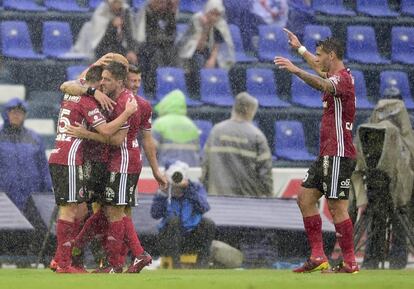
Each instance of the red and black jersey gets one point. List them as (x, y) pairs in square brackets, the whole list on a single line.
[(127, 157), (74, 109), (338, 117)]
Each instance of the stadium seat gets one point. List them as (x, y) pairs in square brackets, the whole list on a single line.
[(137, 4), (331, 7), (397, 79), (407, 7), (304, 95), (64, 5), (375, 8), (361, 45), (402, 44), (73, 72), (9, 91), (95, 3), (181, 28), (204, 126), (361, 91), (313, 34), (192, 6), (57, 40), (170, 78), (238, 45), (261, 84), (23, 5), (290, 141), (16, 42), (215, 87), (273, 41)]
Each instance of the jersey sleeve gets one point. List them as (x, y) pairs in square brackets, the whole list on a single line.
[(119, 109), (92, 114), (146, 117), (341, 84)]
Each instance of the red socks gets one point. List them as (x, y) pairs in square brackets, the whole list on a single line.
[(345, 236), (131, 237), (65, 233), (114, 243), (313, 228), (96, 224)]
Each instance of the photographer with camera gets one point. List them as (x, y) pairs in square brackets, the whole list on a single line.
[(183, 229)]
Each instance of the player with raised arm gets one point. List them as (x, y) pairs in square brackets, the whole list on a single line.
[(330, 174), (66, 163)]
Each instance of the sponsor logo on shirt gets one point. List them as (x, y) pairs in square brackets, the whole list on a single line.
[(72, 98), (93, 112)]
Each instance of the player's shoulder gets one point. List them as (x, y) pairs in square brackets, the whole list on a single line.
[(142, 102)]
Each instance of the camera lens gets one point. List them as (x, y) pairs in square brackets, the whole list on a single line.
[(177, 177)]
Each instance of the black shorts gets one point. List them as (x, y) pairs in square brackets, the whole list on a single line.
[(96, 178), (120, 189), (68, 184), (331, 176)]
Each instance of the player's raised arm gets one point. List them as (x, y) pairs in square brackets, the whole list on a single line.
[(308, 56)]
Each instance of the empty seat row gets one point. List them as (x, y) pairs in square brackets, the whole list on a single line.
[(377, 8), (361, 44)]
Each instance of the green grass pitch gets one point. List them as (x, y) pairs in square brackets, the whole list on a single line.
[(200, 279)]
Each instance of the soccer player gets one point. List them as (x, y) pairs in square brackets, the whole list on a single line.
[(330, 174), (134, 79), (66, 163)]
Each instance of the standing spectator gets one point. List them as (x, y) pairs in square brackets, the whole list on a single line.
[(24, 169), (109, 30), (206, 43), (183, 229), (271, 11), (176, 135), (237, 159), (156, 28)]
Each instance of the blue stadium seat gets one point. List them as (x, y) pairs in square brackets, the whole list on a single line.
[(16, 42), (64, 5), (407, 7), (261, 84), (192, 6), (290, 141), (181, 28), (402, 44), (361, 91), (397, 79), (94, 3), (204, 126), (57, 40), (332, 7), (137, 4), (170, 78), (361, 45), (73, 72), (215, 87), (238, 45), (273, 42), (304, 95), (313, 34), (375, 8), (23, 5)]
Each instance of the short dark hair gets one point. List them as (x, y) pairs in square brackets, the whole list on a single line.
[(118, 70), (94, 74), (331, 44), (134, 69)]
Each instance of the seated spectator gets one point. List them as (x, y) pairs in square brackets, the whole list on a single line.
[(176, 135), (24, 169), (109, 30), (156, 28), (271, 11), (206, 43), (183, 229), (237, 159)]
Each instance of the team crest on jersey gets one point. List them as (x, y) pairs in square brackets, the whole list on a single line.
[(109, 194)]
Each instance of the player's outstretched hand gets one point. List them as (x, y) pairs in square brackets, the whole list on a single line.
[(284, 63), (161, 179), (131, 106), (105, 101), (293, 39), (77, 131)]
